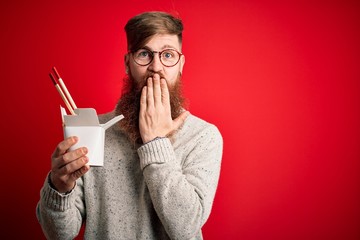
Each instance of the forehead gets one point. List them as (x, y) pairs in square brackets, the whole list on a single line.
[(161, 41)]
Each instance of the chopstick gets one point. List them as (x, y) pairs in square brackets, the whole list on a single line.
[(67, 94), (66, 97)]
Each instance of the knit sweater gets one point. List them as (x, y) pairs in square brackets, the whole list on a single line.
[(162, 190)]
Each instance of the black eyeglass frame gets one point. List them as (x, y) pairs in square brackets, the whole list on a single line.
[(152, 56)]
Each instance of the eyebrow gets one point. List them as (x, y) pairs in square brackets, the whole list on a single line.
[(166, 46)]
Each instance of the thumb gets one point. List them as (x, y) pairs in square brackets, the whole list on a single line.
[(180, 119)]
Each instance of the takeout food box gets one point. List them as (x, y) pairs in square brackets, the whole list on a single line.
[(85, 125)]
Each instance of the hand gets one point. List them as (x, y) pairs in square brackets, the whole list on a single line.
[(155, 112), (68, 166)]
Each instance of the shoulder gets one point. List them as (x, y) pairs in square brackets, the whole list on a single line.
[(197, 128), (196, 123)]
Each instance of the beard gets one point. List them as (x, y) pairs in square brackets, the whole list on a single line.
[(129, 105)]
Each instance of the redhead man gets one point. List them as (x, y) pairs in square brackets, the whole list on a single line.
[(162, 164)]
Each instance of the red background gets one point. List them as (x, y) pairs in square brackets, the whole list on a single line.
[(281, 81)]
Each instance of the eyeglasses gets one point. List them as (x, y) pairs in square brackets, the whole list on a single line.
[(168, 57)]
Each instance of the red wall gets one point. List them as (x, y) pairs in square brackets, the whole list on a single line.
[(280, 80)]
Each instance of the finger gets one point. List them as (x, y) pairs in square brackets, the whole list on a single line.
[(165, 96), (64, 146), (179, 121), (72, 167), (157, 89), (150, 93), (69, 157), (143, 98), (80, 172)]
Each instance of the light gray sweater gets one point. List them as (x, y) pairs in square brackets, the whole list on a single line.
[(162, 190)]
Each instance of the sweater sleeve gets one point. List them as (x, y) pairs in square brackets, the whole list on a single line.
[(60, 215), (182, 190)]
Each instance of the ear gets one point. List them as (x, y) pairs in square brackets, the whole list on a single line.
[(182, 63), (126, 62)]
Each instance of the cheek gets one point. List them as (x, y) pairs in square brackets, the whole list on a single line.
[(175, 77), (138, 73), (172, 75)]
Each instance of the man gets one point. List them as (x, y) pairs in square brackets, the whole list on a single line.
[(162, 164)]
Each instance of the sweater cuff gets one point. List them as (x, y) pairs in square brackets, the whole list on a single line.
[(156, 151), (55, 200)]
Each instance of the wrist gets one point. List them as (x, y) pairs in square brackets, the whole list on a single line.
[(153, 139), (65, 190)]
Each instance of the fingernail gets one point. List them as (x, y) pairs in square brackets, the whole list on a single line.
[(84, 150)]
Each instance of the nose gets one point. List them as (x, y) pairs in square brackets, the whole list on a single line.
[(155, 65)]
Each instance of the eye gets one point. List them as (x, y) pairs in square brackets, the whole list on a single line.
[(168, 54), (142, 53)]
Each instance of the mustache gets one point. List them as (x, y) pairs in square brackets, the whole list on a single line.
[(151, 74), (140, 85)]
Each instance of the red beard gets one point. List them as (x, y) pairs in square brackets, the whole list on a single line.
[(129, 106)]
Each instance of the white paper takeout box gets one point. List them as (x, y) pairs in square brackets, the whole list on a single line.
[(85, 125)]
